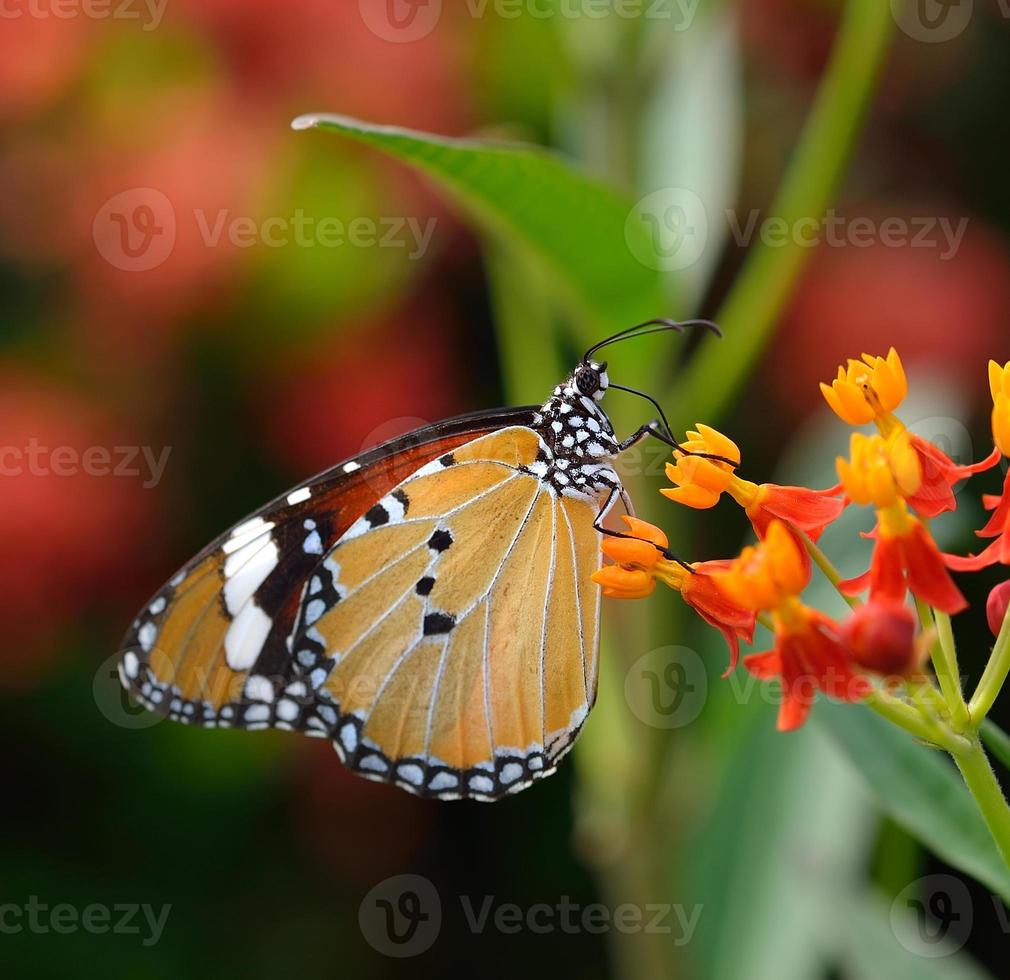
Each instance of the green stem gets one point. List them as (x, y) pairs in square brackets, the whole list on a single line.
[(989, 798), (948, 673), (824, 563), (993, 676), (815, 173), (914, 721)]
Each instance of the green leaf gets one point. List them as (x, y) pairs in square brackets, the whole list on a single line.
[(871, 950), (786, 805), (918, 788), (537, 203)]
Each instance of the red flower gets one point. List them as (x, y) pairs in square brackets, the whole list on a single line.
[(880, 636), (906, 558), (709, 601), (998, 527), (939, 474), (808, 656)]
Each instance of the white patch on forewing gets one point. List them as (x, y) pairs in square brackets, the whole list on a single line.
[(246, 636), (246, 570), (155, 607), (394, 508), (351, 466), (299, 495), (245, 533), (130, 664)]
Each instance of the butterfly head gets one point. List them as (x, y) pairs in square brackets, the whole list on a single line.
[(590, 379)]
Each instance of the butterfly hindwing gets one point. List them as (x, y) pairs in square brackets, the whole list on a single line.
[(457, 658)]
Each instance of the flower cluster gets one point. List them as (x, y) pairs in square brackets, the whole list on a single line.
[(878, 651)]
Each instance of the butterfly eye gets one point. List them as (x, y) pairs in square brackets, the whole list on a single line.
[(588, 381)]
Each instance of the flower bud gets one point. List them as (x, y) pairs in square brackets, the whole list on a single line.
[(880, 637), (995, 608)]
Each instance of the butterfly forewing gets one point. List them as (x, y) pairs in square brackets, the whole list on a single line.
[(234, 605)]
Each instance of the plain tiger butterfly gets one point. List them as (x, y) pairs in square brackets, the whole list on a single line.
[(426, 606)]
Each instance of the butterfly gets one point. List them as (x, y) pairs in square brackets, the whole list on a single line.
[(426, 606)]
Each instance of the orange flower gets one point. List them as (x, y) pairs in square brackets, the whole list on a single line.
[(884, 473), (641, 561), (807, 655), (701, 482), (869, 391)]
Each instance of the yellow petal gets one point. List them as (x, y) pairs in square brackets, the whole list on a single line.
[(1001, 423)]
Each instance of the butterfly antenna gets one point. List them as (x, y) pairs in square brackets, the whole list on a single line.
[(658, 325), (648, 398)]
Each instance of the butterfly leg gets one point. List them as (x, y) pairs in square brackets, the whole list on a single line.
[(655, 429), (619, 491)]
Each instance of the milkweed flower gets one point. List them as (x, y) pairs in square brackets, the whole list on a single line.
[(869, 390), (808, 655), (701, 482), (640, 562), (998, 526), (885, 473)]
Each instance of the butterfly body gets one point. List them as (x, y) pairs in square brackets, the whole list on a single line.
[(426, 606)]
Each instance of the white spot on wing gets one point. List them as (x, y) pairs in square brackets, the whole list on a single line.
[(146, 636), (299, 496), (246, 636), (246, 570), (245, 533), (351, 466)]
